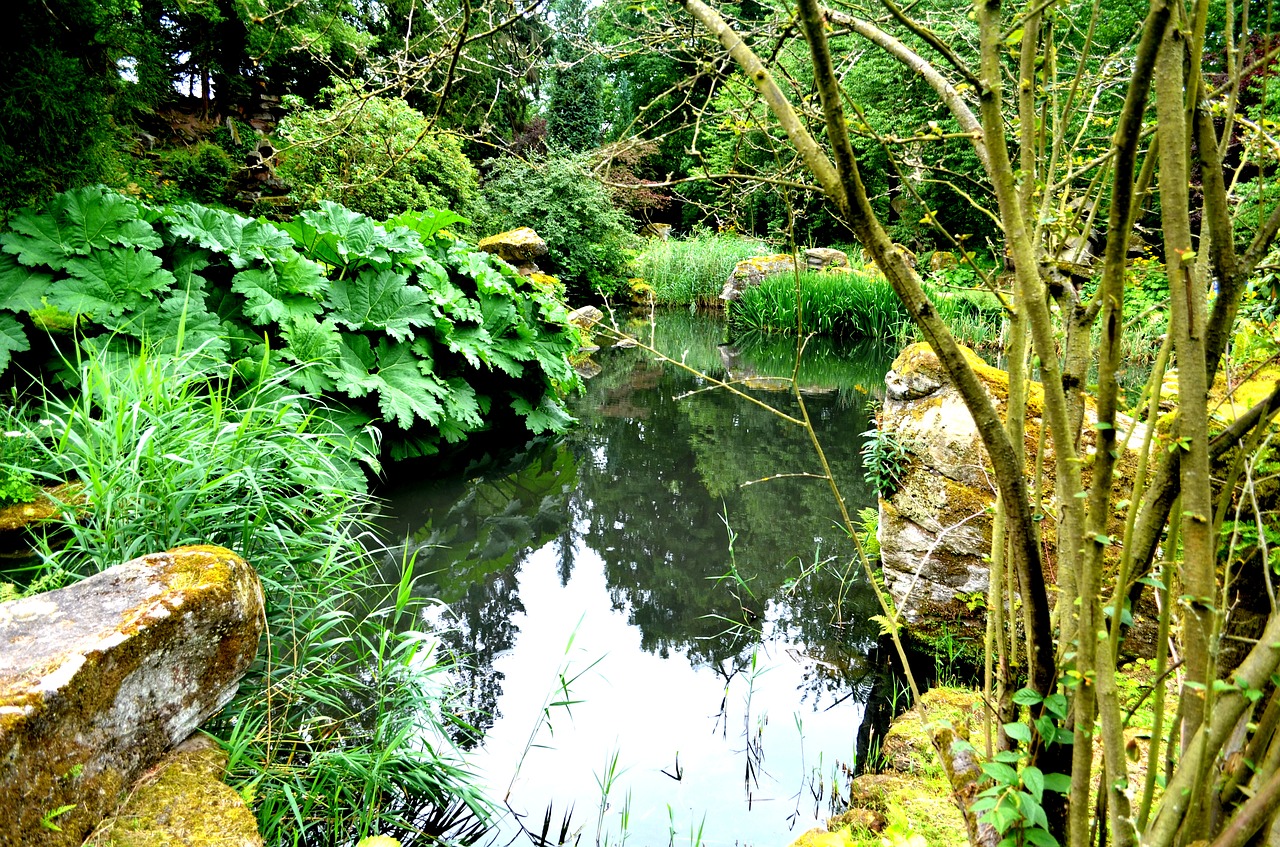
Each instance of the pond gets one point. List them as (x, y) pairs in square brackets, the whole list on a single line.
[(663, 645)]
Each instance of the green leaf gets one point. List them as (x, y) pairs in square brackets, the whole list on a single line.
[(379, 300), (1056, 704), (351, 372), (462, 411), (1039, 837), (13, 339), (268, 299), (21, 289), (1027, 697), (547, 416), (1058, 783), (242, 240), (427, 222), (1033, 781), (1018, 732), (110, 282), (102, 218), (405, 393), (1000, 772)]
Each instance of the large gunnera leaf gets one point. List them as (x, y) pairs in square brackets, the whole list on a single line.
[(242, 240), (20, 288), (75, 224), (406, 393), (379, 300), (110, 282), (12, 340)]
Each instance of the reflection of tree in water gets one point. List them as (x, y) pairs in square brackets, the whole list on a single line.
[(658, 474), (645, 481), (470, 540), (482, 628)]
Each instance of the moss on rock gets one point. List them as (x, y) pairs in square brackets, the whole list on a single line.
[(182, 801)]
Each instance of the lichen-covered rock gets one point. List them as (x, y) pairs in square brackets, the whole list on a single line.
[(517, 246), (825, 258), (935, 528), (182, 801), (98, 680), (47, 505), (750, 272)]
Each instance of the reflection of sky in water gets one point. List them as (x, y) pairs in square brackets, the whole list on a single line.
[(648, 709), (621, 525)]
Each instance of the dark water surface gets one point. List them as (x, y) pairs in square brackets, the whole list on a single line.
[(655, 647)]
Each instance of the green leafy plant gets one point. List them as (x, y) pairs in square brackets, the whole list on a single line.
[(884, 461), (589, 240), (1013, 803), (409, 330), (376, 155)]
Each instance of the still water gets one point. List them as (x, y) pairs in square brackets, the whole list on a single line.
[(668, 641)]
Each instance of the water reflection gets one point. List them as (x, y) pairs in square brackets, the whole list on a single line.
[(717, 637)]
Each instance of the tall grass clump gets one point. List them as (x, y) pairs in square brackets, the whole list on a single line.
[(339, 730), (837, 305), (692, 271), (858, 305)]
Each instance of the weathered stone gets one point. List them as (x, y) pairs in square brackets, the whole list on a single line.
[(942, 259), (824, 258), (47, 505), (751, 272), (586, 317), (516, 246), (182, 801), (935, 529), (99, 679), (867, 819)]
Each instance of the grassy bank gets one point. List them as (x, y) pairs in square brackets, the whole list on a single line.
[(340, 729)]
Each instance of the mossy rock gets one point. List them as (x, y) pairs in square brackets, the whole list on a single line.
[(182, 801)]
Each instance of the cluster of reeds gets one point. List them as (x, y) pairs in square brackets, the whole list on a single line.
[(858, 305), (339, 731), (692, 271)]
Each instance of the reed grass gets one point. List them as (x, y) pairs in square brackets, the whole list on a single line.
[(859, 305), (692, 271), (340, 729)]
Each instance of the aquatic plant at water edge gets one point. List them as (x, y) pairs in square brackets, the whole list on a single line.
[(409, 330), (692, 271), (338, 730)]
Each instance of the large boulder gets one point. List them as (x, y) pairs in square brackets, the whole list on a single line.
[(98, 680), (935, 528)]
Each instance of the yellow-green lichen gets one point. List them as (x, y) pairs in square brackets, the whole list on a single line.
[(182, 801)]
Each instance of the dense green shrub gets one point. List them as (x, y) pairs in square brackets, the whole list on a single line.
[(413, 332), (374, 155), (201, 172), (588, 238)]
